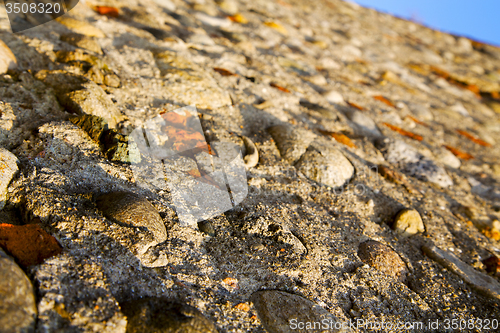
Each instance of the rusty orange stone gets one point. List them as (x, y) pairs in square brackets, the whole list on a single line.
[(224, 72), (403, 132), (473, 138), (339, 137), (107, 11), (415, 120), (356, 106), (29, 243), (274, 85), (458, 153), (384, 100)]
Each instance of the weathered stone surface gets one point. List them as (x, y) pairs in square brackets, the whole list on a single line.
[(7, 58), (17, 298), (410, 161), (150, 315), (132, 210), (479, 281), (115, 146), (278, 310), (383, 258), (82, 41), (269, 63), (81, 27), (408, 222), (8, 168), (81, 96)]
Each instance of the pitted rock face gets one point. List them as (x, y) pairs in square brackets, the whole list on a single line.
[(132, 210), (8, 168), (157, 315), (277, 310), (410, 161), (383, 258), (17, 299)]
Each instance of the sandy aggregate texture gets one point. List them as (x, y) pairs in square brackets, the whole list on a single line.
[(356, 117)]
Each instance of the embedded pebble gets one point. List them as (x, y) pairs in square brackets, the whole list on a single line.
[(383, 258), (279, 310), (292, 142), (131, 210), (363, 124), (17, 299), (8, 168), (334, 97), (325, 165), (161, 315), (447, 158), (408, 222), (7, 58), (479, 281)]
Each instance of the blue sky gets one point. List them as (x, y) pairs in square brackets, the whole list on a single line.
[(479, 20)]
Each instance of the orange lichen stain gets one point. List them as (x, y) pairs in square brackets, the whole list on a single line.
[(243, 307), (458, 153), (403, 132), (274, 85), (108, 11), (384, 100), (415, 120), (473, 138), (339, 137), (224, 72), (356, 106), (29, 244), (238, 18)]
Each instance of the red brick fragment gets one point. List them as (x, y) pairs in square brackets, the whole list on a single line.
[(29, 243)]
